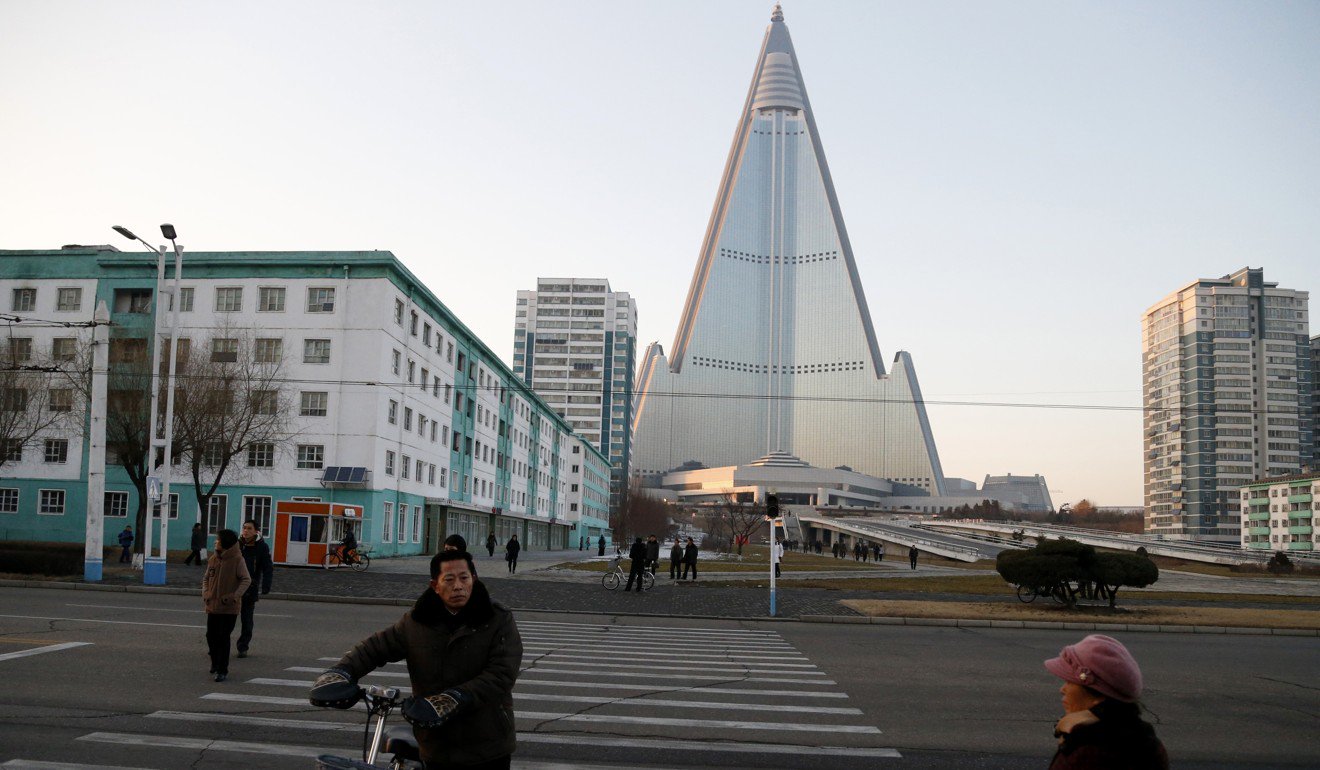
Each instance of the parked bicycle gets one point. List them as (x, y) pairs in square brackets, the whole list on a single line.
[(615, 575), (397, 741), (357, 559)]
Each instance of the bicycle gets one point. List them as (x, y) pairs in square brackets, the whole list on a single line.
[(398, 741), (616, 575), (358, 559)]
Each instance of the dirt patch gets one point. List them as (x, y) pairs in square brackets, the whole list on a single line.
[(1167, 616)]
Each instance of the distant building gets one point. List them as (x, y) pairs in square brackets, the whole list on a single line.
[(1028, 494), (1315, 403), (575, 343), (1278, 514), (588, 498), (1227, 387), (956, 486)]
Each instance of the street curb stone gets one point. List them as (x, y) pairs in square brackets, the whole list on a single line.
[(848, 619)]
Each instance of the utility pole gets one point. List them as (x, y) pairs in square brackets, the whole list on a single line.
[(94, 541)]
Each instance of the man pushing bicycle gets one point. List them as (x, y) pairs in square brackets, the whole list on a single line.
[(463, 652)]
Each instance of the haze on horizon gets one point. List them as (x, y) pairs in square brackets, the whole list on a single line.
[(1019, 180)]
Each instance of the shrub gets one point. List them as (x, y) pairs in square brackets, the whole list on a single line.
[(41, 558), (1071, 569), (1280, 564)]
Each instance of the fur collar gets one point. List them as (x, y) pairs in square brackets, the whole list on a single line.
[(430, 610)]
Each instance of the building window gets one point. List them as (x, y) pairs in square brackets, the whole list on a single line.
[(395, 362), (216, 508), (405, 467), (412, 371), (228, 299), (430, 474), (419, 470), (417, 524), (386, 521), (9, 500), (403, 523), (393, 414), (61, 400), (265, 402), (116, 505), (68, 300), (257, 508), (224, 350), (186, 294), (52, 502), (389, 462), (398, 312), (57, 450), (132, 301), (268, 350), (311, 456), (412, 323), (433, 424), (407, 418), (435, 387), (20, 349), (425, 378), (25, 300), (449, 352), (64, 348), (261, 455), (213, 454), (12, 449), (316, 351), (426, 334), (320, 300), (314, 403)]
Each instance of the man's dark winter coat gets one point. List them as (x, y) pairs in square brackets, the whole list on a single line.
[(477, 651)]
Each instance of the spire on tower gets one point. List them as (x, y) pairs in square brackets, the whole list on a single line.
[(778, 13)]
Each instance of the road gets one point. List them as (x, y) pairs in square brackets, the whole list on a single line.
[(602, 691)]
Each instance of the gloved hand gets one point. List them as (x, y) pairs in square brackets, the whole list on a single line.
[(433, 710), (335, 689)]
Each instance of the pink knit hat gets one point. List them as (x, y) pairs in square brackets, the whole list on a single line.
[(1101, 663)]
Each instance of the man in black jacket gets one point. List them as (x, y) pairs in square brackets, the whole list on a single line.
[(652, 554), (256, 553), (463, 652), (638, 555)]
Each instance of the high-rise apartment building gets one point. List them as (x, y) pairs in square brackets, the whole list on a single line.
[(775, 350), (1315, 403), (1227, 394), (575, 343)]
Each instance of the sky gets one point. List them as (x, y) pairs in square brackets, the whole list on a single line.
[(1019, 180)]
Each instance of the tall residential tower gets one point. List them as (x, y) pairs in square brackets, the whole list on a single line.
[(775, 349), (575, 343), (1227, 393)]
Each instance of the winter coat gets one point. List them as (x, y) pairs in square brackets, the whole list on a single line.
[(1110, 735), (257, 558), (125, 539), (653, 551), (198, 541), (676, 554), (480, 657), (637, 552), (225, 581), (511, 549), (690, 554)]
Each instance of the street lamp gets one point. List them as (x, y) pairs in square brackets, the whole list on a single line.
[(158, 488)]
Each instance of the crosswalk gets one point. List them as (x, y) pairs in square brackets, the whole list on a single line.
[(588, 694)]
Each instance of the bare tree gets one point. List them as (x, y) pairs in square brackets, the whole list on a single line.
[(231, 408), (741, 518), (640, 514), (40, 393)]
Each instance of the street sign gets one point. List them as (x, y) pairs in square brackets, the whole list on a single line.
[(153, 488)]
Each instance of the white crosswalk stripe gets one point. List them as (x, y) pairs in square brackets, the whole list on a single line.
[(608, 687)]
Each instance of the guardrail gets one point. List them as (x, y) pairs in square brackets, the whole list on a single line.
[(896, 535)]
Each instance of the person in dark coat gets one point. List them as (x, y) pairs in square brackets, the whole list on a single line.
[(690, 559), (1102, 726), (223, 585), (600, 546), (126, 543), (879, 551), (463, 652), (256, 555), (196, 545), (652, 554), (675, 558), (511, 550), (639, 564), (913, 553), (491, 542)]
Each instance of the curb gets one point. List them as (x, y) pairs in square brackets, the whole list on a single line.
[(845, 619)]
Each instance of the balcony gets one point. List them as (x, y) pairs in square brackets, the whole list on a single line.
[(1300, 546), (1302, 498), (1258, 530), (1258, 516), (1301, 529)]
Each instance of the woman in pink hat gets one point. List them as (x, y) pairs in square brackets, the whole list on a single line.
[(1102, 726)]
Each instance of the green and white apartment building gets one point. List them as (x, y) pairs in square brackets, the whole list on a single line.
[(394, 404), (1278, 514)]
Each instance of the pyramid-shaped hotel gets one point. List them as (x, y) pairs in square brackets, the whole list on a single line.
[(775, 350)]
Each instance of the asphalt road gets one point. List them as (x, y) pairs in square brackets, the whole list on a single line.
[(604, 691)]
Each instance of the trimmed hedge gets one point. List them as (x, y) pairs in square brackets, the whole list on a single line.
[(41, 558)]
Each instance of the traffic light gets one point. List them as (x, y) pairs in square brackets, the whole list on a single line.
[(772, 506)]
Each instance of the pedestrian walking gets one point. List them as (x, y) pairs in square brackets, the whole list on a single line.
[(491, 542), (690, 559), (463, 652), (866, 550), (223, 586), (913, 553), (126, 543), (675, 558), (777, 555), (196, 544), (600, 545), (652, 554), (256, 557), (582, 542), (879, 552), (639, 564), (511, 550), (1102, 725)]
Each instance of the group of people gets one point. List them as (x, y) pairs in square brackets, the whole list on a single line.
[(645, 557)]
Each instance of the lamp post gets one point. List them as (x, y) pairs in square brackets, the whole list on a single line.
[(153, 567)]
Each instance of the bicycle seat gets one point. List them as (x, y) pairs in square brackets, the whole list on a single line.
[(400, 742)]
